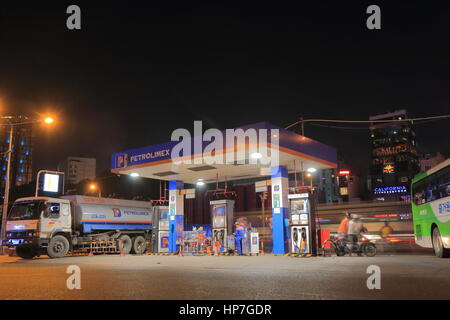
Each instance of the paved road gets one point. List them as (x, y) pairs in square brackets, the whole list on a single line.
[(264, 277)]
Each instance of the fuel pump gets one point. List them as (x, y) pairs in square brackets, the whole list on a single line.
[(160, 229), (302, 223), (222, 213)]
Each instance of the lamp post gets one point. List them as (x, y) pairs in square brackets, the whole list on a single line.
[(93, 187), (7, 183), (309, 175), (47, 120)]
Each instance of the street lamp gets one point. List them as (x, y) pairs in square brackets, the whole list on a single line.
[(46, 120), (49, 120), (94, 187)]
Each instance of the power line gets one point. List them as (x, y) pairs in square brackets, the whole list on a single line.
[(338, 127), (369, 121), (360, 128)]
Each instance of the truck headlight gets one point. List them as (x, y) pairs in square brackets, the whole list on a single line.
[(42, 234)]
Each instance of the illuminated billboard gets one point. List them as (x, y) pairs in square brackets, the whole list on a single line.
[(51, 182)]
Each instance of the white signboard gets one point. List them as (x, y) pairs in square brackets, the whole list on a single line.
[(190, 193), (51, 182), (261, 186)]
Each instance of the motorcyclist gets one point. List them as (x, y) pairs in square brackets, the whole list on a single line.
[(343, 227), (355, 228)]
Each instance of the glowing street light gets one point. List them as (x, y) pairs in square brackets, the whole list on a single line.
[(49, 120), (93, 187), (310, 176)]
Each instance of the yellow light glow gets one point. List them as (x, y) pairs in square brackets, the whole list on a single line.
[(49, 120), (92, 187)]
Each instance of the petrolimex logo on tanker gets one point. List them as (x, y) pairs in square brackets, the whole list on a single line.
[(118, 213)]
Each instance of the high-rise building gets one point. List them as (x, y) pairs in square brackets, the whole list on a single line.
[(22, 150), (77, 169), (430, 160), (395, 159)]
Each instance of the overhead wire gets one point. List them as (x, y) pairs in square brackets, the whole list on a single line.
[(369, 121)]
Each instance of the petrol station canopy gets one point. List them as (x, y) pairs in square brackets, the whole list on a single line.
[(295, 152)]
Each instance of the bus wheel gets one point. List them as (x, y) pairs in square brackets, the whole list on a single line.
[(139, 245), (24, 252), (58, 247), (438, 246)]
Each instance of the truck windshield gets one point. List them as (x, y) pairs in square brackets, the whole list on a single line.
[(26, 210)]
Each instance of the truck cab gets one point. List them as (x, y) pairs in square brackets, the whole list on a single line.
[(39, 225)]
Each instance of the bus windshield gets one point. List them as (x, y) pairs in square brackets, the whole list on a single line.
[(26, 210)]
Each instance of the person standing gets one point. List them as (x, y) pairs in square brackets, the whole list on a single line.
[(238, 235)]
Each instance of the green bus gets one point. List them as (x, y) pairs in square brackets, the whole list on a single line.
[(431, 209)]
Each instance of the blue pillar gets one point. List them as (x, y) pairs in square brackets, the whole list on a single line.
[(176, 214), (280, 203)]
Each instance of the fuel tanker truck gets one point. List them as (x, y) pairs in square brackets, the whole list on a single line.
[(55, 226)]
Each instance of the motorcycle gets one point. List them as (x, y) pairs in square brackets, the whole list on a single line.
[(362, 246)]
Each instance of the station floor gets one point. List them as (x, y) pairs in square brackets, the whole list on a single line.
[(226, 277)]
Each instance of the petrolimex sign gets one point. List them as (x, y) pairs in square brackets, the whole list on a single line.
[(246, 145), (143, 155)]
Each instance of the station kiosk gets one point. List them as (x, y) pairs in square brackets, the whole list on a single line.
[(302, 223), (222, 216), (161, 229)]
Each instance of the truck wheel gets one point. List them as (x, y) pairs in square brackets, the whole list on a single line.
[(438, 246), (139, 245), (127, 243), (25, 252), (58, 247)]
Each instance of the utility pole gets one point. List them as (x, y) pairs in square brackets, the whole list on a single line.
[(7, 185)]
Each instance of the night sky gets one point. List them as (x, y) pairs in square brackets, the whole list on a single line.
[(137, 71)]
